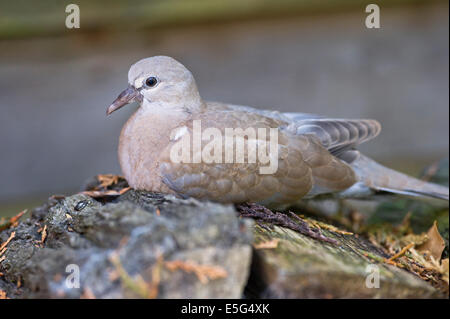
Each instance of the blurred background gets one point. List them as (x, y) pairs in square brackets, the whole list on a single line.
[(305, 56)]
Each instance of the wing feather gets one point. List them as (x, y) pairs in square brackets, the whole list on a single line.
[(338, 135)]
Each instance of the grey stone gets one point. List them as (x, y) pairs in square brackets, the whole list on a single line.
[(145, 231)]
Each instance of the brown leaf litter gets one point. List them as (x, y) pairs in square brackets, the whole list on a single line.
[(204, 273), (417, 253), (270, 244), (13, 221)]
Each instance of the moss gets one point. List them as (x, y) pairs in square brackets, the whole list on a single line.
[(303, 267)]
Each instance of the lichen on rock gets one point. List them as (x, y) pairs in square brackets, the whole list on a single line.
[(117, 247)]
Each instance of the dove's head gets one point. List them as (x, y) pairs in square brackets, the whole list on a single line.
[(159, 81)]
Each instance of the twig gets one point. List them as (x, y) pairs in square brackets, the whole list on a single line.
[(276, 218), (401, 252)]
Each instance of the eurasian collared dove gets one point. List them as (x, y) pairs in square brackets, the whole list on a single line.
[(314, 155)]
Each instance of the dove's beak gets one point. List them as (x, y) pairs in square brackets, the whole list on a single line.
[(128, 96)]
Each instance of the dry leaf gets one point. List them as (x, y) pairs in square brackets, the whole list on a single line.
[(13, 221), (445, 270), (87, 294), (16, 218), (267, 244), (97, 194), (44, 234), (435, 244), (3, 294), (3, 246), (108, 180), (444, 264), (413, 238), (204, 273)]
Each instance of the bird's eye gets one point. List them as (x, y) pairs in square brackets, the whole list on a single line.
[(151, 81)]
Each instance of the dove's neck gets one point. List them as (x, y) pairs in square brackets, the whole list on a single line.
[(176, 106)]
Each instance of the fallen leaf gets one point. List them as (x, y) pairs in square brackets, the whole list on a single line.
[(413, 238), (44, 234), (3, 294), (3, 246), (16, 218), (13, 221), (204, 273), (444, 263), (97, 194), (445, 270), (124, 190), (267, 244), (87, 294), (107, 180), (435, 245)]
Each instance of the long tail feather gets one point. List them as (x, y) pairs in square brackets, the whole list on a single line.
[(378, 178)]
